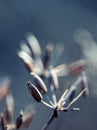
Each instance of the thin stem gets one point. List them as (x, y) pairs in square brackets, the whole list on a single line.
[(72, 88), (62, 97), (53, 94), (75, 99), (48, 105), (49, 121), (77, 81), (49, 100)]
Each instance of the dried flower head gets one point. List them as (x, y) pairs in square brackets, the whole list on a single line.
[(65, 102), (6, 120), (25, 117), (31, 55), (40, 68)]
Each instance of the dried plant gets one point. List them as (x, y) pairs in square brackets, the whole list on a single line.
[(25, 117), (6, 119), (34, 61), (30, 53), (39, 68), (65, 102)]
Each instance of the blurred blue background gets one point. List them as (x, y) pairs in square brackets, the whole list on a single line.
[(50, 21)]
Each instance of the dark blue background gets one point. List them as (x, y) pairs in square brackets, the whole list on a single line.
[(50, 21)]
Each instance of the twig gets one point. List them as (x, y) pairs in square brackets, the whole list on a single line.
[(49, 121)]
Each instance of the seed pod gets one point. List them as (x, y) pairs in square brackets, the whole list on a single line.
[(24, 47), (61, 70), (34, 45), (39, 83), (9, 108), (77, 67), (28, 61), (54, 79), (28, 120), (34, 92), (29, 113), (4, 88), (84, 84), (8, 115), (19, 120), (2, 123), (47, 56)]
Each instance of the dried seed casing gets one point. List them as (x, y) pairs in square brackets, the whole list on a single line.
[(47, 56), (54, 79), (2, 122), (39, 83), (19, 120), (8, 115), (4, 88), (27, 60), (77, 67), (9, 108), (28, 120), (34, 92), (34, 45)]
